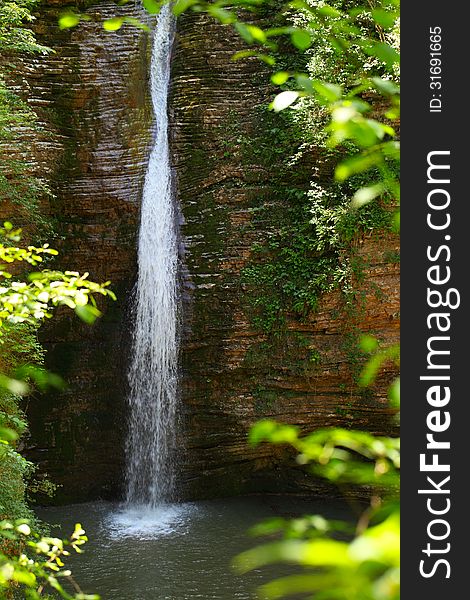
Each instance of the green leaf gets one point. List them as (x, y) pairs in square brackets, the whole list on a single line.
[(366, 194), (304, 82), (244, 32), (25, 577), (329, 91), (328, 11), (87, 313), (368, 343), (385, 86), (269, 60), (267, 430), (221, 14), (379, 544), (394, 393), (68, 20), (15, 386), (356, 164), (113, 24), (323, 552), (384, 52), (136, 23), (8, 435), (181, 5), (384, 18), (280, 77), (257, 33), (285, 587), (283, 100), (152, 6), (396, 221), (301, 39)]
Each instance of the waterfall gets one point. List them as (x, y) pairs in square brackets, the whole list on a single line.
[(153, 367)]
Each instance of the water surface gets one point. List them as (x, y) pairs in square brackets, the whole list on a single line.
[(181, 552)]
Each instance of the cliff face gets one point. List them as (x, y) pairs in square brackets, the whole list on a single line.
[(92, 102), (91, 98), (232, 374)]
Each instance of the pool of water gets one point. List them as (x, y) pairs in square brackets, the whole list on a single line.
[(177, 552)]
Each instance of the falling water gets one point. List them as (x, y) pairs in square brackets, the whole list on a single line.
[(153, 369)]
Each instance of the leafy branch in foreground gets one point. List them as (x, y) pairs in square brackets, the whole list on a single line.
[(34, 300), (37, 567), (365, 565)]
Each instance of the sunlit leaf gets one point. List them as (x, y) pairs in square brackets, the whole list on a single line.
[(24, 528), (356, 164), (7, 434), (68, 20), (244, 31), (87, 313), (267, 430), (283, 100), (257, 33), (285, 587), (136, 23), (223, 15), (384, 52), (328, 11), (396, 221), (267, 58), (394, 393), (379, 543), (385, 86), (329, 91), (280, 77), (181, 5), (15, 386), (113, 24), (366, 194), (322, 552)]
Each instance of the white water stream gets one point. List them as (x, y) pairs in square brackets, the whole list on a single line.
[(152, 374)]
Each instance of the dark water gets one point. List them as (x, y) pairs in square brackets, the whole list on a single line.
[(181, 552)]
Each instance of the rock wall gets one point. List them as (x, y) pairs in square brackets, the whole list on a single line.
[(230, 380)]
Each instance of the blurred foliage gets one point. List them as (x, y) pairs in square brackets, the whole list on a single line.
[(339, 561), (30, 565), (36, 566)]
